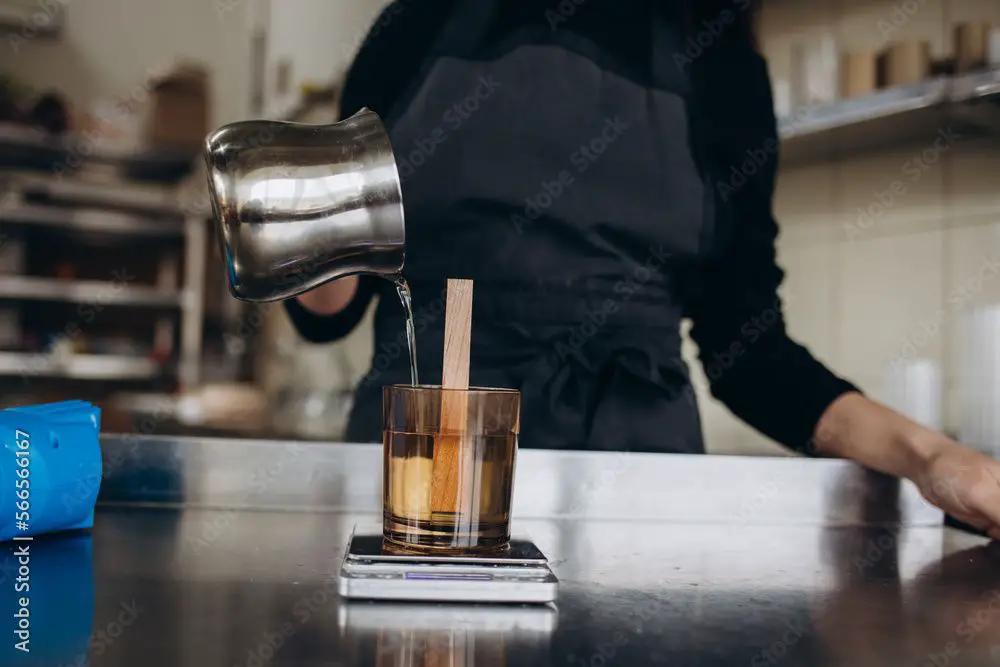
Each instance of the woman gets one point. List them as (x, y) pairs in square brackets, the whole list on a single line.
[(576, 160)]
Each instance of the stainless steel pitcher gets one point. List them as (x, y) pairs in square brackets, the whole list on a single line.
[(299, 205)]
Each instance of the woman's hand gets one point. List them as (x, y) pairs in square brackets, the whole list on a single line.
[(331, 298), (964, 483), (961, 481)]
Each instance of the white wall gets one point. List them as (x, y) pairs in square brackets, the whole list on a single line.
[(109, 46), (317, 37)]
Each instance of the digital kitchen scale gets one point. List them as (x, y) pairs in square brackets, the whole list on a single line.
[(521, 575)]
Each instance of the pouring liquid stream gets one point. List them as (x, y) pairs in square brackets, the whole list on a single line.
[(403, 289)]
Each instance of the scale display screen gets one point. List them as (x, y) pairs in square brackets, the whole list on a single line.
[(446, 577), (521, 551)]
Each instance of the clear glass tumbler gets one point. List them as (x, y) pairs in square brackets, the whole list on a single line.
[(448, 463)]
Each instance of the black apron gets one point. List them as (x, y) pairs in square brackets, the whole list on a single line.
[(570, 194)]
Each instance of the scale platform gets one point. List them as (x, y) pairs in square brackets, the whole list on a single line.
[(521, 575), (444, 618)]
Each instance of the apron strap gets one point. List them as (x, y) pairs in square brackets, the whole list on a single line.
[(466, 29), (672, 62)]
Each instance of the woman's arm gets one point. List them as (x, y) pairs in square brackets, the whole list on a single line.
[(332, 311), (775, 384), (765, 378), (960, 480)]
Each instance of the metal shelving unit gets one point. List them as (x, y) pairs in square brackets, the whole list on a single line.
[(30, 288), (20, 214), (967, 102), (115, 216), (32, 149), (80, 366)]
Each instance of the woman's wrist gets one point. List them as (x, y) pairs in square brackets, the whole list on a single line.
[(857, 428), (923, 446)]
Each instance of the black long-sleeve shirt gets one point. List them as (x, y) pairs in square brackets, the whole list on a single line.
[(765, 378)]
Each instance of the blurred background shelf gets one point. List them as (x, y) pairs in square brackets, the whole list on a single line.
[(153, 200), (976, 86), (103, 280), (891, 117), (35, 150), (30, 20), (80, 366), (93, 221), (29, 288)]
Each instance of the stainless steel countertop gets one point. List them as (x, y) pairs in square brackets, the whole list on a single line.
[(224, 552)]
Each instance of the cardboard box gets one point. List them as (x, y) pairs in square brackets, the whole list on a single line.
[(971, 45), (904, 63), (858, 74), (178, 114)]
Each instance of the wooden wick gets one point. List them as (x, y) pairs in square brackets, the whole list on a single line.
[(448, 479)]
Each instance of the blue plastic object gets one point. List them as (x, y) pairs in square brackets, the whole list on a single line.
[(50, 468), (56, 580)]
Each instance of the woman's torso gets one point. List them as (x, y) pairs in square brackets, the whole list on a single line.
[(556, 164)]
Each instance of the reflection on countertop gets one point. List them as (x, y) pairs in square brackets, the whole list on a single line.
[(254, 588), (228, 552)]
